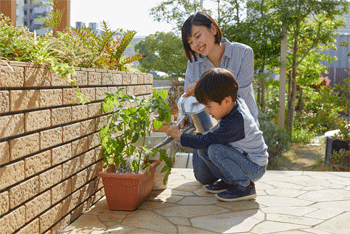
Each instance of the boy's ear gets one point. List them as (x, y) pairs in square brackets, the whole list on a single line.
[(227, 100)]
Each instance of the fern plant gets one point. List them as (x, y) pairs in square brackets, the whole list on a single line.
[(108, 49), (79, 48)]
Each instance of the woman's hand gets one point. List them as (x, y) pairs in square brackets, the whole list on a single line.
[(190, 90), (174, 132)]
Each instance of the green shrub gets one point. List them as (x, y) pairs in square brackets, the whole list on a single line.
[(276, 139), (302, 134), (320, 112), (72, 48)]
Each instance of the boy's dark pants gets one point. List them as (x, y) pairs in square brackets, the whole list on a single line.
[(225, 163)]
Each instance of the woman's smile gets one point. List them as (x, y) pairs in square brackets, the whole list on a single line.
[(201, 49)]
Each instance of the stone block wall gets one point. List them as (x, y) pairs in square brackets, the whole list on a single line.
[(50, 150)]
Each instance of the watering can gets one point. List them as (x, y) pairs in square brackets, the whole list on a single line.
[(199, 120)]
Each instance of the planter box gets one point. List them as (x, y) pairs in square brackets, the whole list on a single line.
[(342, 168), (334, 144), (127, 191)]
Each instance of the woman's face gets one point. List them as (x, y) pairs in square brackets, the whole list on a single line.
[(202, 39)]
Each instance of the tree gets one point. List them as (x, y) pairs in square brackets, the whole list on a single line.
[(165, 53), (309, 70), (54, 18), (230, 12), (261, 31), (309, 23), (175, 12)]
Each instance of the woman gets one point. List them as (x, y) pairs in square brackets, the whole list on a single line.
[(205, 48)]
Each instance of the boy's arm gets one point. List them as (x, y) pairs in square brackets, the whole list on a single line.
[(228, 131)]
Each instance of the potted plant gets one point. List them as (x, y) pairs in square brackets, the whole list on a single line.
[(174, 94), (340, 148), (130, 171), (340, 159)]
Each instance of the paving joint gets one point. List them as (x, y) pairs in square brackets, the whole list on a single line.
[(290, 202)]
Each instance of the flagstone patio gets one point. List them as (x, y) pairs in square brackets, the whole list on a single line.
[(290, 202)]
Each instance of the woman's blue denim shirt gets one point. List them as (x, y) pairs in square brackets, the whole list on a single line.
[(239, 59)]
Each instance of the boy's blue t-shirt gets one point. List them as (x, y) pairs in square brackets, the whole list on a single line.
[(237, 129)]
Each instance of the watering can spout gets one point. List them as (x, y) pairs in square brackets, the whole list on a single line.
[(168, 139)]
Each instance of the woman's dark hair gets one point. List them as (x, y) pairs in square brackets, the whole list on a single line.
[(215, 84), (199, 19)]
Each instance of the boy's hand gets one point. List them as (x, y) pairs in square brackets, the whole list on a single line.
[(174, 132), (183, 122)]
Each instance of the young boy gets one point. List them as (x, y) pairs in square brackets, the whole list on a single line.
[(234, 151)]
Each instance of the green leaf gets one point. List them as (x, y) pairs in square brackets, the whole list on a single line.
[(146, 149), (146, 157), (135, 138), (104, 130), (157, 124), (155, 93), (134, 165), (163, 94), (128, 133), (168, 120), (132, 109), (120, 126), (127, 112), (155, 151), (107, 105), (166, 177), (165, 168), (148, 172)]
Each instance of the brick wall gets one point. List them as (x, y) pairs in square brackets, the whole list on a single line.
[(50, 150)]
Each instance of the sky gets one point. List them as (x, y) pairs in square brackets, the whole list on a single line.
[(126, 14)]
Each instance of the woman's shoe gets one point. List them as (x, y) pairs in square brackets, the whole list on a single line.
[(237, 193)]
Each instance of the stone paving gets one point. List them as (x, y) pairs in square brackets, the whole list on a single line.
[(291, 202)]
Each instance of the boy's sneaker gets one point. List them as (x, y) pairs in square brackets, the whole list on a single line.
[(216, 187), (238, 193)]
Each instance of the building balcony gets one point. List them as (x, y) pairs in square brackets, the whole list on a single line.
[(31, 7)]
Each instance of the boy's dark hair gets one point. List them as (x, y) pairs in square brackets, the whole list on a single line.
[(199, 19), (215, 84)]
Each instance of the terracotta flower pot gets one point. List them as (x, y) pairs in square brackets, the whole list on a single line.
[(127, 191)]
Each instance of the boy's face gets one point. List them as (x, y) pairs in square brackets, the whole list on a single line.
[(216, 110)]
